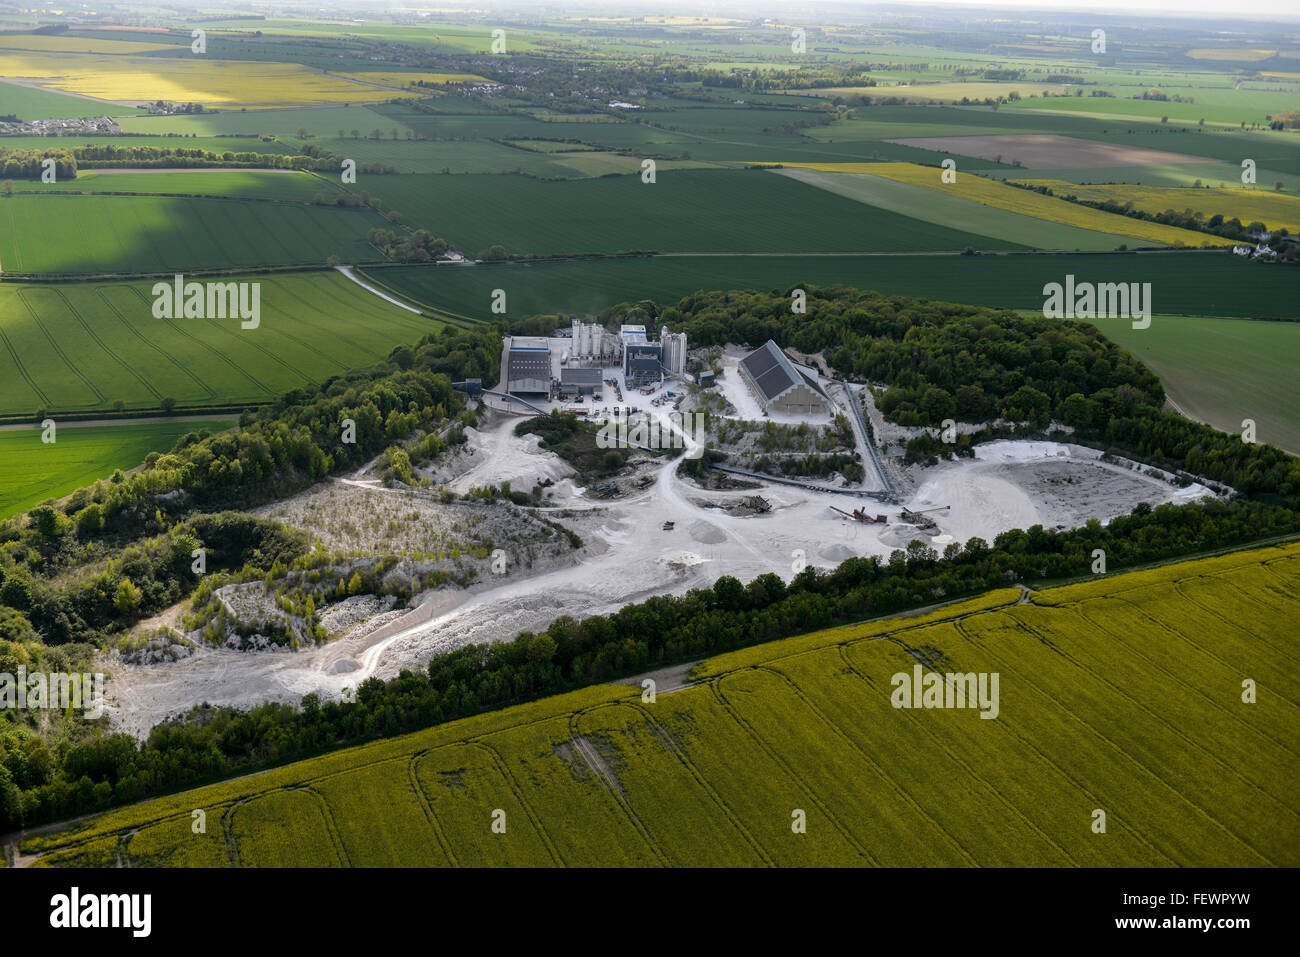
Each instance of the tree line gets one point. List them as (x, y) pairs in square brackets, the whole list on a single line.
[(925, 345), (209, 743), (1215, 224)]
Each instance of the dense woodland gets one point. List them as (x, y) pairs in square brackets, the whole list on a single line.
[(127, 541), (940, 360)]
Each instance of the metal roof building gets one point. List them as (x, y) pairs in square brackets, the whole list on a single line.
[(780, 384), (585, 381), (641, 362), (528, 365)]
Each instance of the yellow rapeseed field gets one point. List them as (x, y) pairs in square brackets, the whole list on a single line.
[(226, 83), (1130, 683), (1261, 203), (1228, 53), (1022, 201), (53, 44)]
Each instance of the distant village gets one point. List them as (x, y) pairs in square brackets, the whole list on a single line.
[(70, 126)]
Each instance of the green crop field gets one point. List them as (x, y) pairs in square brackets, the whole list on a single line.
[(436, 156), (284, 185), (1213, 106), (320, 122), (83, 347), (32, 470), (1222, 371), (1186, 283), (957, 212), (740, 210), (28, 103), (82, 234), (1120, 695)]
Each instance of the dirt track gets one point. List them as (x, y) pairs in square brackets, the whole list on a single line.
[(628, 557)]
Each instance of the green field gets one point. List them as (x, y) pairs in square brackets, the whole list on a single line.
[(83, 234), (83, 347), (1121, 695), (32, 471), (319, 122), (436, 156), (1213, 106), (1186, 283), (957, 212), (1222, 371), (683, 211), (283, 185), (32, 104)]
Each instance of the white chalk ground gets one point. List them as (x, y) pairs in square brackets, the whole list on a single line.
[(737, 391), (1016, 484), (628, 557), (498, 455)]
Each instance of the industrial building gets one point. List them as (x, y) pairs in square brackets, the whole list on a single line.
[(782, 385), (673, 351), (591, 349), (640, 356), (593, 341), (528, 365), (583, 381)]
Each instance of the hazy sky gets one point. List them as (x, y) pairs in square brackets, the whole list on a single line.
[(1215, 9)]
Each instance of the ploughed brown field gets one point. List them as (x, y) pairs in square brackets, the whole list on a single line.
[(1048, 151)]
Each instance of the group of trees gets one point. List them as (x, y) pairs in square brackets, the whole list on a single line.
[(29, 164), (940, 360), (420, 246), (208, 743), (168, 107), (1215, 224), (974, 364), (1289, 120), (111, 156), (1163, 97)]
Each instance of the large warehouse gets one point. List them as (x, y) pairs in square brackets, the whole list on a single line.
[(579, 380), (780, 384), (528, 365)]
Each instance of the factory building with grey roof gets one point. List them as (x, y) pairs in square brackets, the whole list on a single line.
[(780, 384)]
